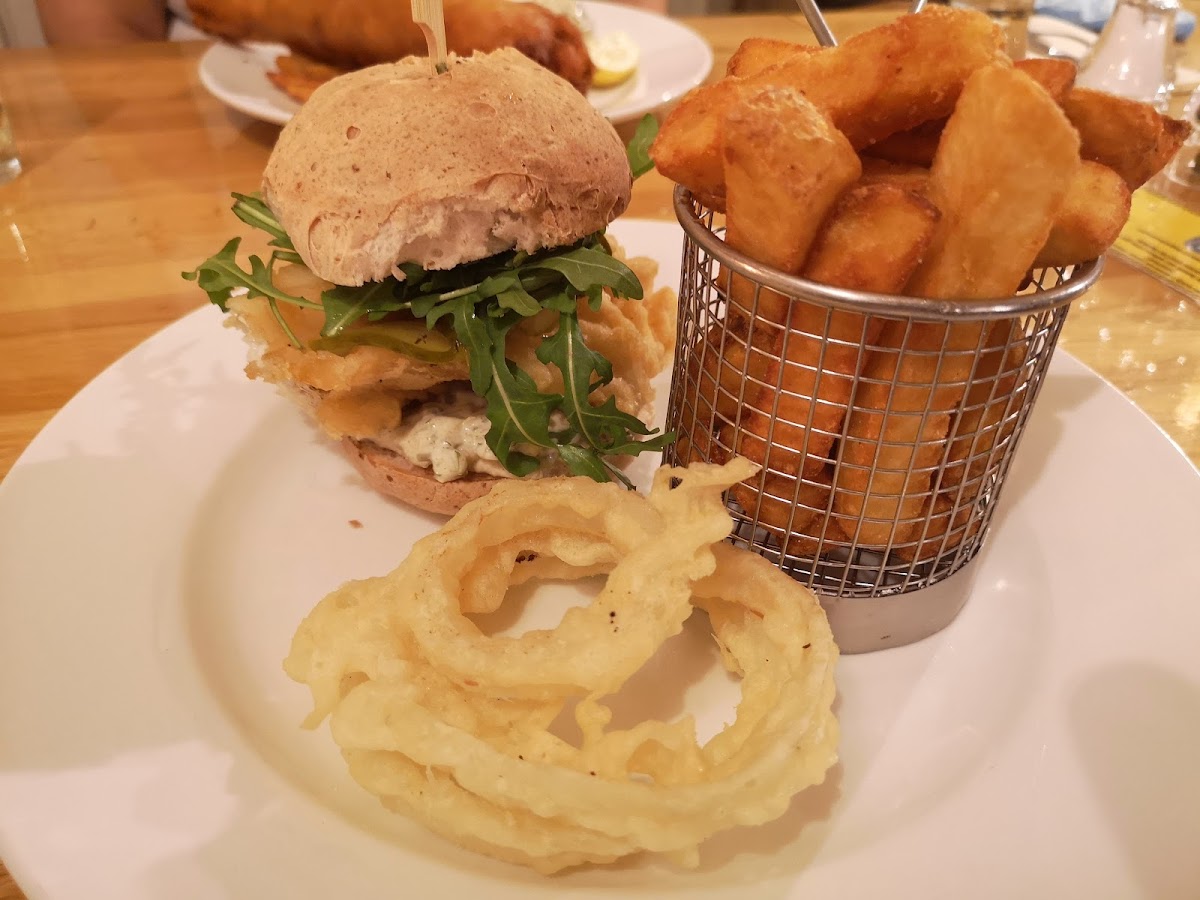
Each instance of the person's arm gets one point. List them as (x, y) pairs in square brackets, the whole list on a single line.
[(89, 22)]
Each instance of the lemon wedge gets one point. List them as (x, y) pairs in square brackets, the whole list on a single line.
[(615, 57)]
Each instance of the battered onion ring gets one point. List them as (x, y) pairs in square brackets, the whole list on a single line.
[(470, 756), (657, 561)]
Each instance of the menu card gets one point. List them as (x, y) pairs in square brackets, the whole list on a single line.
[(1162, 238)]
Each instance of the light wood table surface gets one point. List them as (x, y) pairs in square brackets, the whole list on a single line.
[(129, 166)]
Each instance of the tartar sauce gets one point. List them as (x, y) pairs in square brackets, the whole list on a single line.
[(447, 435)]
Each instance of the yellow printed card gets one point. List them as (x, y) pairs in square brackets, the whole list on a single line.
[(1162, 239)]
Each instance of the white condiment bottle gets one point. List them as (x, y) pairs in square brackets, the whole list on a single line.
[(1135, 56)]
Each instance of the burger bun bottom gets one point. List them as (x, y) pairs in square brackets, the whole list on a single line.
[(393, 476)]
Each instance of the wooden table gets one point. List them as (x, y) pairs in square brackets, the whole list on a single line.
[(129, 166)]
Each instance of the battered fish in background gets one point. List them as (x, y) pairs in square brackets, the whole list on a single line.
[(352, 34)]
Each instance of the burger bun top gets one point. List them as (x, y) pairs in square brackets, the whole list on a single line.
[(391, 164)]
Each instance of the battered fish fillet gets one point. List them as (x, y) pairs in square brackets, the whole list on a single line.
[(351, 34), (363, 392)]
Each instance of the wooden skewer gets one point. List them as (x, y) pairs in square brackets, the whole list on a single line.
[(429, 16), (816, 22)]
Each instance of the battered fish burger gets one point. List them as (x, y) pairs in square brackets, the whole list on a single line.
[(441, 296)]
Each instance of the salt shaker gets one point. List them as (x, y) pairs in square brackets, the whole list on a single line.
[(1134, 55)]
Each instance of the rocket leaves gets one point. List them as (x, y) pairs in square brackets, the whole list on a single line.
[(346, 305), (602, 427), (220, 275), (522, 418), (585, 267), (251, 209), (483, 300), (638, 150)]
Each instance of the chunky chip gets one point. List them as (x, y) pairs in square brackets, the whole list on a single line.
[(918, 146), (1093, 213), (885, 80), (450, 726), (977, 175), (1133, 139), (758, 54)]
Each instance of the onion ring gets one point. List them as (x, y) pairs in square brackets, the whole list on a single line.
[(445, 739)]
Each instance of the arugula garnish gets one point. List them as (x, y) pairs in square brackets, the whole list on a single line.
[(483, 301), (251, 209), (638, 149), (588, 266), (346, 305)]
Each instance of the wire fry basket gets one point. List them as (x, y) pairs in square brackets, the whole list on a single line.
[(884, 426)]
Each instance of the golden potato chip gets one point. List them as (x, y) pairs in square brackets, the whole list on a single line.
[(873, 240), (1093, 213), (1133, 139), (1002, 171), (987, 416), (917, 146), (874, 84), (757, 54)]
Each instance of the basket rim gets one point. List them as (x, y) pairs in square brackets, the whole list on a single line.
[(1082, 276)]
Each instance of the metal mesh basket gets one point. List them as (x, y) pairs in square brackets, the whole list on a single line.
[(884, 425)]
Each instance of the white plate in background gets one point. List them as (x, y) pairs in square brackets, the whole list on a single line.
[(674, 59), (162, 538), (1051, 36)]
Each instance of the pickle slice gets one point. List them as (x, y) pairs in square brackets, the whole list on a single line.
[(411, 339)]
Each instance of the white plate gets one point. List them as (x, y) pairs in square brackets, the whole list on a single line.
[(1052, 36), (1059, 37), (163, 536), (674, 59)]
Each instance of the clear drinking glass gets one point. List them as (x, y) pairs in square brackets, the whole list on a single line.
[(10, 162), (1011, 15), (1134, 55)]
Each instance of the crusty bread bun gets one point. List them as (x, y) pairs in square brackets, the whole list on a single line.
[(391, 164), (394, 476)]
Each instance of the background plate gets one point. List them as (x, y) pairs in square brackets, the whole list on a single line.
[(163, 536), (674, 59)]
